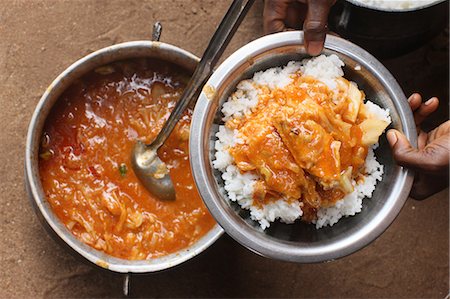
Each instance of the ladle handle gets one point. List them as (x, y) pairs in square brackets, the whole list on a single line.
[(216, 46)]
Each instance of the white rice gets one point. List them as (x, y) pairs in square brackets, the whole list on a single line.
[(395, 4), (239, 186)]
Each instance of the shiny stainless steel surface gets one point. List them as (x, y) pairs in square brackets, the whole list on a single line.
[(301, 242), (107, 55), (148, 167)]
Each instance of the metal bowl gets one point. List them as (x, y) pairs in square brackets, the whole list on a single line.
[(388, 33), (150, 49), (375, 7), (301, 242)]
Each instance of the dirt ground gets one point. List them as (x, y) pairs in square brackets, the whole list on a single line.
[(39, 39)]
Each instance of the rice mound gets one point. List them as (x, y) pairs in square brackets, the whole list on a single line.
[(398, 4), (239, 186)]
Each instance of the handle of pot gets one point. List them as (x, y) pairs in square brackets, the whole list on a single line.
[(344, 19), (127, 284), (156, 34)]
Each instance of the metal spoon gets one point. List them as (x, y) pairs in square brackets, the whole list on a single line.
[(148, 167)]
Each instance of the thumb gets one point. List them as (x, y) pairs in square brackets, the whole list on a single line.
[(404, 153), (315, 26)]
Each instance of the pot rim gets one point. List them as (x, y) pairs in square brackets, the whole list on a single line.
[(40, 203), (394, 10), (239, 230)]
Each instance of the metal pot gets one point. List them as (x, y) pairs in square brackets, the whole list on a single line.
[(301, 242), (388, 33), (150, 49)]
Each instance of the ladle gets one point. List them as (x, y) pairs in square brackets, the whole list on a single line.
[(148, 167)]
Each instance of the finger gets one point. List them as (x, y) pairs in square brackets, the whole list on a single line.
[(425, 110), (296, 14), (433, 159), (414, 101), (442, 130), (315, 26), (274, 16), (422, 140), (404, 153)]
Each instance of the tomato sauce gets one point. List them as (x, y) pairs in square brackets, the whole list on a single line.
[(301, 145), (85, 165)]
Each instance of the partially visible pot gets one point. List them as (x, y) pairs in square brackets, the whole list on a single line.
[(148, 49), (388, 33)]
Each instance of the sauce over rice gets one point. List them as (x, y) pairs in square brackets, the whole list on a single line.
[(305, 142)]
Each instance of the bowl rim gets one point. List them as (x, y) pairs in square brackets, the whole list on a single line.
[(44, 211), (394, 10), (245, 234)]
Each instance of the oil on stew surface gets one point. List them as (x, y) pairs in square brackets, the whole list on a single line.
[(85, 161)]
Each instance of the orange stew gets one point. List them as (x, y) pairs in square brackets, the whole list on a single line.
[(301, 144), (85, 162)]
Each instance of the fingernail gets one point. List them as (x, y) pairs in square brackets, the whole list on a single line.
[(392, 137), (314, 48), (414, 95), (429, 101)]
